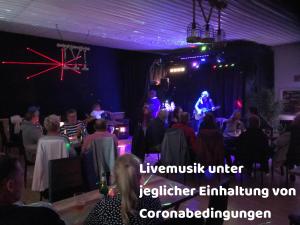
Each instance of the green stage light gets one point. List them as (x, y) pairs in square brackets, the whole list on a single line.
[(203, 48)]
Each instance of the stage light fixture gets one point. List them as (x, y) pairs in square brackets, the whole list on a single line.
[(220, 66), (214, 67), (232, 65), (203, 60), (177, 69), (203, 48), (219, 61), (226, 65)]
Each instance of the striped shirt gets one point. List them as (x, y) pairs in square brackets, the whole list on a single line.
[(75, 129)]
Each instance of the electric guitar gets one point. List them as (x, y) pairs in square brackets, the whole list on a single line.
[(198, 115)]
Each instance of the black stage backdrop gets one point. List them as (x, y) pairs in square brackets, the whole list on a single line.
[(117, 79), (225, 87)]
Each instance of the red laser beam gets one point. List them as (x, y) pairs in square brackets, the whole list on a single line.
[(42, 55), (53, 63), (43, 71)]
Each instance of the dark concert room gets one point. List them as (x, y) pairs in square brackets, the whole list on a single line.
[(149, 112)]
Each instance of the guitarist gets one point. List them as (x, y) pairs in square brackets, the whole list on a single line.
[(204, 104)]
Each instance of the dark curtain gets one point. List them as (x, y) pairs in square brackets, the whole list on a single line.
[(134, 72)]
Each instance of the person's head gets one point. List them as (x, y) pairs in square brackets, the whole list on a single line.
[(253, 110), (71, 116), (96, 107), (236, 115), (152, 94), (146, 110), (184, 117), (11, 180), (204, 95), (208, 122), (253, 121), (127, 178), (100, 125), (163, 115), (296, 121), (177, 111), (52, 124), (33, 114)]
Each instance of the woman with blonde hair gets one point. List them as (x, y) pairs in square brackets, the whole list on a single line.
[(123, 206)]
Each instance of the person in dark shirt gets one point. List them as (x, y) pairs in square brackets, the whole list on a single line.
[(11, 185), (156, 131), (253, 146)]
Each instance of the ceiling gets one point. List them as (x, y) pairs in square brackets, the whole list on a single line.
[(145, 24)]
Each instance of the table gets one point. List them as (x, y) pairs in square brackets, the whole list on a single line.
[(74, 210)]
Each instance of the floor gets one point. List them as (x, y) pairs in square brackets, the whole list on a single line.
[(280, 207)]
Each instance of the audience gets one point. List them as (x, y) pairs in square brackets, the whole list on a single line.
[(233, 126), (73, 128), (209, 146), (12, 212), (188, 131), (156, 131), (100, 132), (31, 132), (123, 204), (293, 155), (253, 146)]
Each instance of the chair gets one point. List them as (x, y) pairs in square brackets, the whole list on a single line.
[(139, 143), (218, 203), (174, 148), (65, 178), (104, 156), (89, 172), (49, 148)]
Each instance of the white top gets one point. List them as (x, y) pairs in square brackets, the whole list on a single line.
[(97, 114), (49, 148)]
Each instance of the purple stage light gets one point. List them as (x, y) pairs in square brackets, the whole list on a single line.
[(195, 65), (203, 60)]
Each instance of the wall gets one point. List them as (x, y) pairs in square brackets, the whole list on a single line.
[(105, 82), (286, 66)]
